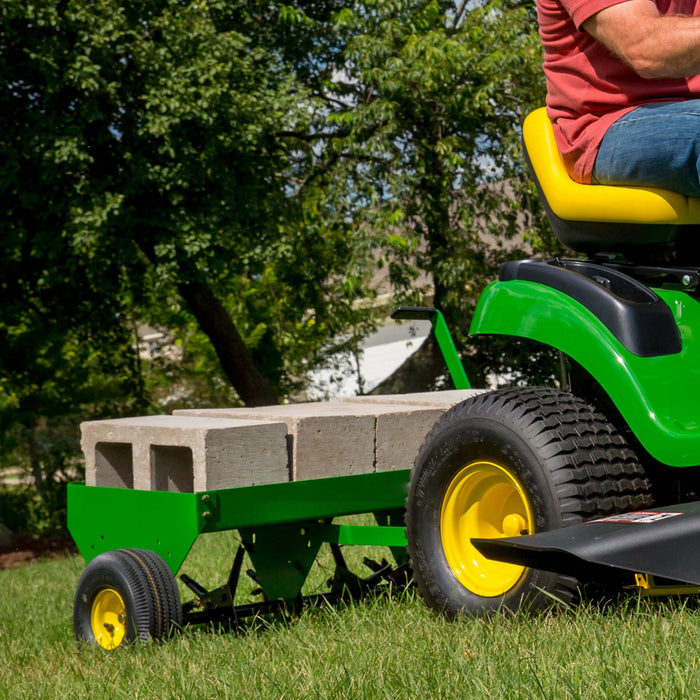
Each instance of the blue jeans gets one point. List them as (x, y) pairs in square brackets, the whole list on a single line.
[(656, 145)]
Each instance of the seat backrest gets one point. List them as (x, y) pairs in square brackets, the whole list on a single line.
[(602, 218)]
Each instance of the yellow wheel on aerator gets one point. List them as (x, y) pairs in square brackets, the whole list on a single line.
[(108, 618), (124, 596), (483, 500)]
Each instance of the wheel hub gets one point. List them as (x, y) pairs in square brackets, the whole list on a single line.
[(483, 500), (108, 617), (514, 525)]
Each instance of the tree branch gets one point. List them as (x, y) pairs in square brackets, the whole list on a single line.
[(459, 14), (216, 323)]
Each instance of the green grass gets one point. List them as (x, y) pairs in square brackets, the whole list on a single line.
[(379, 648)]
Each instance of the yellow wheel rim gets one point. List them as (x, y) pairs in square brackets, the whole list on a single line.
[(483, 500), (108, 618)]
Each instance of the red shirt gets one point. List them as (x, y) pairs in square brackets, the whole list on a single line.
[(588, 88)]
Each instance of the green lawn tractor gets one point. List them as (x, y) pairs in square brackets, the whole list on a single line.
[(523, 495)]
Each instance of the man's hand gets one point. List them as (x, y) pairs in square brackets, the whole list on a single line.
[(653, 45)]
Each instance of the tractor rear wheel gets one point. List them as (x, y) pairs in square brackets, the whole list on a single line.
[(123, 596), (503, 464)]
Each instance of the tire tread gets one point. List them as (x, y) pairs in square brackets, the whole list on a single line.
[(146, 582), (592, 471)]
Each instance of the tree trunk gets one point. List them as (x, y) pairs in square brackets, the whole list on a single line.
[(34, 459), (215, 322), (234, 356)]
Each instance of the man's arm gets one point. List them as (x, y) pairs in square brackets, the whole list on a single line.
[(654, 45)]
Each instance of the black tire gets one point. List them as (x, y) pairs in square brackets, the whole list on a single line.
[(539, 459), (123, 596)]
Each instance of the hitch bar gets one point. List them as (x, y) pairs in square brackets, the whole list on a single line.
[(443, 337)]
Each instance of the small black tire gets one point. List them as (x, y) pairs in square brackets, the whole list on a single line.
[(505, 463), (124, 596)]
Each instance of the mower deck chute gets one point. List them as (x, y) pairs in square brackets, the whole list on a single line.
[(661, 542)]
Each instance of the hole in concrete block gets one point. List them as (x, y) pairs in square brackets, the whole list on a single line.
[(114, 464), (173, 468), (290, 456)]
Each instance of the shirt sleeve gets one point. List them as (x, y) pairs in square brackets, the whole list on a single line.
[(581, 10)]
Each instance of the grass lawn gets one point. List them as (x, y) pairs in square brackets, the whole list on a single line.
[(379, 648)]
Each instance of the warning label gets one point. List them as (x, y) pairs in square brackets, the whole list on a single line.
[(640, 516)]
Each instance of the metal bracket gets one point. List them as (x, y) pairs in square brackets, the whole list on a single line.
[(685, 278), (443, 337), (649, 586), (218, 606)]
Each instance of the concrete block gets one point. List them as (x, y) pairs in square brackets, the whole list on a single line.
[(338, 437), (325, 440), (184, 453), (400, 435)]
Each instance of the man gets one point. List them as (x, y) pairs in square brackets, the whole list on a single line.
[(624, 90)]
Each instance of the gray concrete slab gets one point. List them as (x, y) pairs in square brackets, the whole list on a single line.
[(428, 398)]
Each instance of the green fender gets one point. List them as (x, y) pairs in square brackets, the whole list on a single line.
[(659, 397)]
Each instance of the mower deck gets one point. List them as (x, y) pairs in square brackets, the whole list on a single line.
[(661, 542)]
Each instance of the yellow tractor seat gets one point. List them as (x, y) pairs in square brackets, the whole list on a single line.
[(633, 221)]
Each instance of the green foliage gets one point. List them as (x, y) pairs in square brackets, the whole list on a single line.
[(147, 146), (434, 141), (272, 155), (447, 98), (238, 142), (22, 510)]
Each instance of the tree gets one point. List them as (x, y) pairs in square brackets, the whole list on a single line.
[(155, 148), (235, 171), (445, 90), (422, 102), (148, 158)]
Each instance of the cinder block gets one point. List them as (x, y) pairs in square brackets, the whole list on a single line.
[(338, 438), (400, 435), (184, 453), (325, 439)]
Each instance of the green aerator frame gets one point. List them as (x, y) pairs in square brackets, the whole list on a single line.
[(282, 526)]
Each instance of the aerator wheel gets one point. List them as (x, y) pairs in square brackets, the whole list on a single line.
[(503, 464), (123, 596)]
